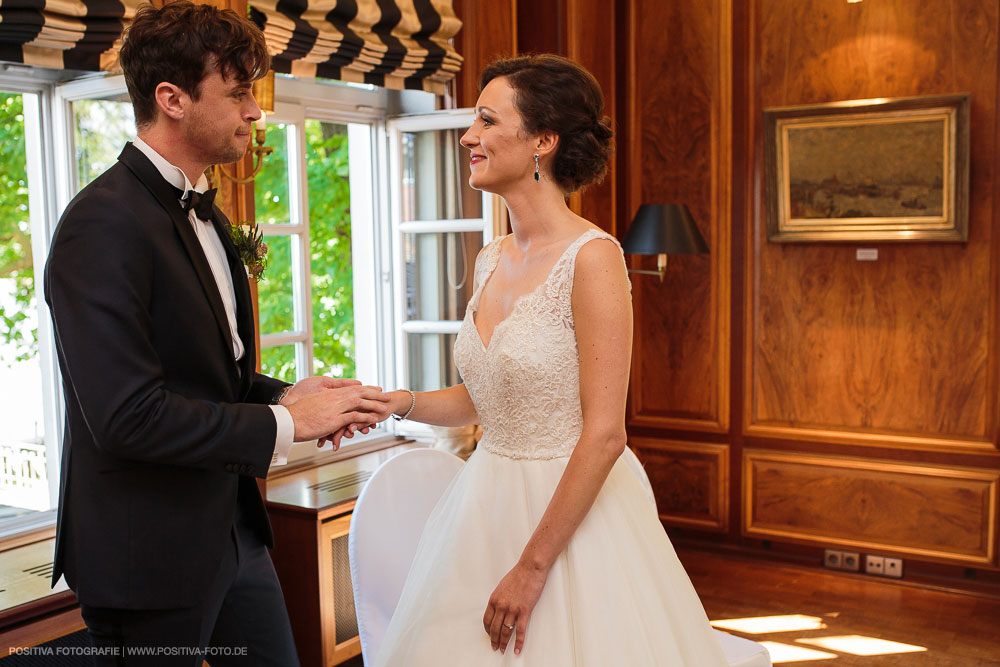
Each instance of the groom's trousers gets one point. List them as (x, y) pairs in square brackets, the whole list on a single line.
[(241, 622)]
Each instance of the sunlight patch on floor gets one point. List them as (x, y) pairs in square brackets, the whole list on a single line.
[(860, 645), (762, 625), (788, 653)]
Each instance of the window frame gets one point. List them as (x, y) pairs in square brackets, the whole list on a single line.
[(43, 215), (490, 224), (363, 110)]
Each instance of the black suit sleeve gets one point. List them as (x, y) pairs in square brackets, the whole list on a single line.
[(99, 286), (263, 389)]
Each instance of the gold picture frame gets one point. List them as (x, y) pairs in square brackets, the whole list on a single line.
[(868, 170)]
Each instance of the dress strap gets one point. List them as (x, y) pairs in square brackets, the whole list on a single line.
[(487, 260), (566, 266)]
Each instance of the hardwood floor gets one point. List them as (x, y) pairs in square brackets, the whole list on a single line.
[(956, 629)]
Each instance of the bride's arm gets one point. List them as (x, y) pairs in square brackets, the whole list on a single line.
[(444, 407), (602, 310)]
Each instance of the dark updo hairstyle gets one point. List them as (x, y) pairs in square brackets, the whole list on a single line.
[(554, 94), (182, 43)]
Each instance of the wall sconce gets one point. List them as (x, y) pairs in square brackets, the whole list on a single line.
[(661, 230), (263, 92)]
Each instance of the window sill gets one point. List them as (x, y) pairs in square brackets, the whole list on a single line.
[(26, 595), (325, 457)]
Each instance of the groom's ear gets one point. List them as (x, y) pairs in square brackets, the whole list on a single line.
[(169, 100)]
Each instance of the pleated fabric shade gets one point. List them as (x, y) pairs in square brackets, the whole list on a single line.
[(405, 44), (64, 34)]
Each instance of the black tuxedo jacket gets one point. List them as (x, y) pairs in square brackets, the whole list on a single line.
[(164, 433)]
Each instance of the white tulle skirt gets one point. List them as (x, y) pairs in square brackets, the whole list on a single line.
[(616, 596)]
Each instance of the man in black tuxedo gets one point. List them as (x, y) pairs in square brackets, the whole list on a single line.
[(162, 532)]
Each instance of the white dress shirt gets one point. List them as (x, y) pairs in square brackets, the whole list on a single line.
[(215, 253)]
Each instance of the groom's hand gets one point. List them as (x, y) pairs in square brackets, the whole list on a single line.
[(349, 430), (326, 411), (311, 385)]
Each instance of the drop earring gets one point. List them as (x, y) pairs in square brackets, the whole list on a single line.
[(536, 168)]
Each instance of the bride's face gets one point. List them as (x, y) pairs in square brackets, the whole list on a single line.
[(500, 154)]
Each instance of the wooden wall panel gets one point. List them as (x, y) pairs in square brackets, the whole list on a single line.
[(932, 512), (690, 481), (489, 31), (678, 145), (590, 38), (896, 352)]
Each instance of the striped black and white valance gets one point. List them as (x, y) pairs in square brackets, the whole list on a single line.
[(64, 34), (403, 44)]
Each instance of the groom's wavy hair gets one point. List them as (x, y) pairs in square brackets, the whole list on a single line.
[(555, 94), (182, 43)]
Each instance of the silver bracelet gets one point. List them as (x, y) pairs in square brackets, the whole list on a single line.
[(413, 403)]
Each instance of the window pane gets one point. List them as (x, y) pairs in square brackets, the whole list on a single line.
[(279, 362), (439, 274), (271, 185), (101, 129), (328, 167), (24, 483), (431, 361), (275, 289), (436, 178)]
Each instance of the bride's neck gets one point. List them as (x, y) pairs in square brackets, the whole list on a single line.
[(537, 218)]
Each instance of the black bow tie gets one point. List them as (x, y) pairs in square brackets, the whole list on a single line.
[(201, 202)]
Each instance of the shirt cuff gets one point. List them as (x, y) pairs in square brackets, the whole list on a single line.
[(284, 436)]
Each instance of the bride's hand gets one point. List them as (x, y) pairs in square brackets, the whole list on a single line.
[(511, 604)]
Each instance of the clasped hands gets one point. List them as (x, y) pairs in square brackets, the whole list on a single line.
[(330, 409)]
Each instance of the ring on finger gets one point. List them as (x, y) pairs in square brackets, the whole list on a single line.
[(509, 627)]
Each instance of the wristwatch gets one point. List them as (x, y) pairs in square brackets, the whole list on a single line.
[(280, 394)]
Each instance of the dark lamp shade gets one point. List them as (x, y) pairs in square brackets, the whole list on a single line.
[(664, 229)]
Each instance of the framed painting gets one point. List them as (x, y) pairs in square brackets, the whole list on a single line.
[(868, 170)]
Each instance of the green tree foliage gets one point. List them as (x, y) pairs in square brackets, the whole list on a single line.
[(330, 248), (328, 187), (102, 127), (17, 273)]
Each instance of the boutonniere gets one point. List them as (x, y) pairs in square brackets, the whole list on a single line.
[(250, 245)]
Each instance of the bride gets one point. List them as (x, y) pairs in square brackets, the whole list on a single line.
[(545, 550)]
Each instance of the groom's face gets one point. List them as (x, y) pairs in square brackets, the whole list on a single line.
[(217, 124)]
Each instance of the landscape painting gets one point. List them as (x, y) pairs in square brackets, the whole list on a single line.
[(868, 170)]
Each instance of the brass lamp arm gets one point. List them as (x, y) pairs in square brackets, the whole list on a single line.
[(661, 268)]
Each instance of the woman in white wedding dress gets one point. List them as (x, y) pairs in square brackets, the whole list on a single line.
[(545, 551)]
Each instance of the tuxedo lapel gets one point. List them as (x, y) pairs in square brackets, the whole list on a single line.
[(244, 305), (164, 193)]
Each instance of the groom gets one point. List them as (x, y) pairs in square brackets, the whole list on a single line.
[(162, 532)]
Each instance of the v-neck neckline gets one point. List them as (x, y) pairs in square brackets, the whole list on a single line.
[(477, 297)]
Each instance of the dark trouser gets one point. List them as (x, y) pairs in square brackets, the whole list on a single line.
[(242, 621)]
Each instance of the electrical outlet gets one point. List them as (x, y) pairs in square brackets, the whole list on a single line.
[(841, 560), (894, 567), (874, 564)]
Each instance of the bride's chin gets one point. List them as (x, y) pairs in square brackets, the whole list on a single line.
[(478, 184)]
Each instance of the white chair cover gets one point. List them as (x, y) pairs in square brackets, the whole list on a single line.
[(386, 525), (388, 520)]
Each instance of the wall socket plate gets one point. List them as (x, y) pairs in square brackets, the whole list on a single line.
[(874, 564), (893, 567), (884, 566), (841, 560)]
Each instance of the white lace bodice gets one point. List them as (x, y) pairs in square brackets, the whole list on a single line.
[(526, 384)]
